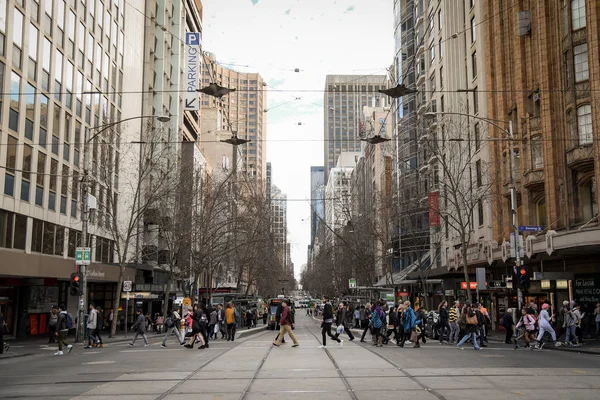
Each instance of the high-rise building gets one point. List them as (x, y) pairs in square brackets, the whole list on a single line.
[(279, 222), (544, 76), (344, 98), (317, 200), (242, 112), (269, 180), (338, 193), (51, 53)]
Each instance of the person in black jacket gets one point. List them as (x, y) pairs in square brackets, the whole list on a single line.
[(392, 325), (480, 325), (342, 320), (443, 321), (507, 322), (327, 321), (2, 327), (367, 319)]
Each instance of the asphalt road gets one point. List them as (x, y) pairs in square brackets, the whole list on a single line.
[(250, 368)]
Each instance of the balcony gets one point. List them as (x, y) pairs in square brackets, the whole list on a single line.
[(534, 180), (535, 124), (581, 158)]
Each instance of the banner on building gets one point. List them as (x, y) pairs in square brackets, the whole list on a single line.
[(433, 202), (192, 75)]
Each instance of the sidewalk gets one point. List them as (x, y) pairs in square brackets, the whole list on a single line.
[(591, 345), (23, 347)]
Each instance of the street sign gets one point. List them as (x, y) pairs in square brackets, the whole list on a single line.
[(352, 283), (191, 75), (480, 274), (127, 285), (83, 256), (187, 302), (530, 228)]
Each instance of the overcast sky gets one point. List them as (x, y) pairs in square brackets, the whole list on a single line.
[(320, 37)]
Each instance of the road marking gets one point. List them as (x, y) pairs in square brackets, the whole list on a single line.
[(149, 350), (97, 362), (580, 371), (520, 393)]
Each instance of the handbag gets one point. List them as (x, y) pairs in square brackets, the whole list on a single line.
[(471, 320), (414, 337), (216, 328)]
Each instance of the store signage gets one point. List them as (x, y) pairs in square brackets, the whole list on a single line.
[(562, 284), (94, 273), (402, 294), (191, 76), (587, 290), (433, 202), (545, 284)]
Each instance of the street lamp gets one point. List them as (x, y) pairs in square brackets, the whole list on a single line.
[(376, 139), (509, 132), (215, 90), (398, 91), (85, 195)]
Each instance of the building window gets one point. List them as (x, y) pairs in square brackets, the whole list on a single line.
[(440, 43), (11, 163), (473, 34), (582, 70), (479, 173), (578, 14), (584, 124), (480, 212), (441, 77), (477, 136), (432, 52), (475, 101), (537, 152), (474, 64), (17, 38)]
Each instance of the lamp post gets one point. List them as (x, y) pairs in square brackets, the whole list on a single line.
[(513, 193), (85, 211)]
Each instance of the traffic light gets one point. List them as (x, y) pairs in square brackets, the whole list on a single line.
[(76, 288), (523, 277)]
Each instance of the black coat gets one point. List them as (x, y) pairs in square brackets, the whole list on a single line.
[(328, 311), (444, 315)]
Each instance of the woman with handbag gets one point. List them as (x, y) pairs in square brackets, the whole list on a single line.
[(470, 320)]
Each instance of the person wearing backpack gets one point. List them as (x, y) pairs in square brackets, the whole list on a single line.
[(327, 322), (376, 323), (52, 323), (64, 323), (172, 326)]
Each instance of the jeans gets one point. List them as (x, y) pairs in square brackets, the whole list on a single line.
[(571, 337), (143, 334), (366, 328), (61, 339), (454, 332), (91, 334), (473, 337), (444, 326), (170, 330), (326, 331), (282, 331), (98, 338)]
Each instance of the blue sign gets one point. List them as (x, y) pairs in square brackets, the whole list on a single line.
[(530, 228), (192, 38)]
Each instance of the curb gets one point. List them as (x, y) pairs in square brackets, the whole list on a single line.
[(16, 356)]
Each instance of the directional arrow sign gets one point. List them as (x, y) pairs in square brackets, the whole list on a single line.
[(191, 76), (83, 256)]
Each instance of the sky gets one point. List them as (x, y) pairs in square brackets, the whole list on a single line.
[(318, 37)]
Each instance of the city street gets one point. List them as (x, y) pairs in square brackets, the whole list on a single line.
[(251, 368)]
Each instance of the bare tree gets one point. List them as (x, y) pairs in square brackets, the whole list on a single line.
[(147, 168)]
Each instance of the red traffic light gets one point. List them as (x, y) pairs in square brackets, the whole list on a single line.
[(523, 271), (76, 278)]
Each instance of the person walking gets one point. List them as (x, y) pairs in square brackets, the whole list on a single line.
[(212, 324), (527, 321), (480, 325), (343, 316), (377, 317), (409, 324), (52, 323), (99, 326), (221, 321), (286, 326), (508, 323), (111, 316), (453, 318), (471, 322), (327, 322), (139, 327), (444, 321), (357, 317), (172, 323), (91, 327), (367, 321), (392, 327), (229, 320), (545, 326), (3, 330), (571, 319), (63, 324)]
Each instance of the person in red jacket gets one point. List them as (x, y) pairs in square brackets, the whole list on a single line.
[(286, 326)]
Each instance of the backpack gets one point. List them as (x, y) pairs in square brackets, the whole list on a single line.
[(68, 321), (237, 316), (169, 323), (376, 320), (203, 321)]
